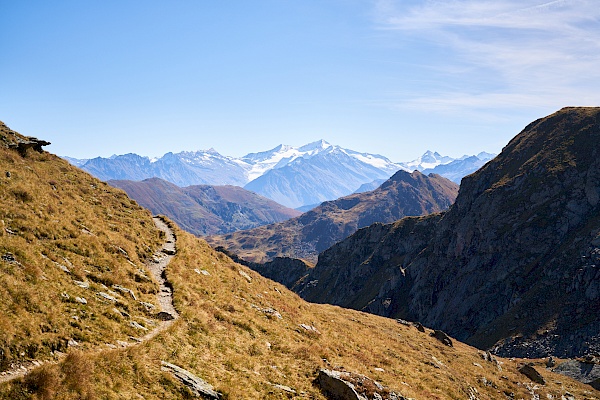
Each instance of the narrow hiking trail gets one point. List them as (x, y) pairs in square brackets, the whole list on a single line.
[(166, 317)]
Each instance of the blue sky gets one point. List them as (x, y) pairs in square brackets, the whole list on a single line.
[(390, 77)]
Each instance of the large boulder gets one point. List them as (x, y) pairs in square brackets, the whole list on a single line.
[(342, 385)]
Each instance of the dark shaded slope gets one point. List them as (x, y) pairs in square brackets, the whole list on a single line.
[(316, 230), (206, 209), (512, 264)]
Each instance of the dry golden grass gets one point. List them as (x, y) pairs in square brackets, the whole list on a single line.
[(228, 332), (54, 215)]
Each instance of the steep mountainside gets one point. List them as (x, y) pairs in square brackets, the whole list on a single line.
[(513, 264), (306, 236), (66, 237), (78, 312), (206, 209)]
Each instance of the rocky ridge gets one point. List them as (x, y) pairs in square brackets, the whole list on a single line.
[(304, 237), (513, 265)]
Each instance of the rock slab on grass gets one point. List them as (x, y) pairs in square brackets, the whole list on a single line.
[(442, 337), (342, 385), (532, 374), (198, 386)]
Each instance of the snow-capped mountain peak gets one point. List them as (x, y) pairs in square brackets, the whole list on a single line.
[(293, 176), (428, 160), (317, 146)]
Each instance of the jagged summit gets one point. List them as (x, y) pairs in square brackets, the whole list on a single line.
[(316, 146)]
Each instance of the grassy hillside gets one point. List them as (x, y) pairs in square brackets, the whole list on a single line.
[(206, 209), (238, 331), (61, 229)]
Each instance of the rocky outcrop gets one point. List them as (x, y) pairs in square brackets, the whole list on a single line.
[(341, 385), (304, 237), (513, 265), (30, 143), (197, 385), (13, 140), (584, 371), (442, 337)]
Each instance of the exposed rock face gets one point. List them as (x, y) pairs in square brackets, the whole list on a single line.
[(514, 264), (586, 372), (304, 237)]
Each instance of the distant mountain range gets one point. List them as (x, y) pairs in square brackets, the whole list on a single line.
[(206, 209), (304, 237), (292, 176)]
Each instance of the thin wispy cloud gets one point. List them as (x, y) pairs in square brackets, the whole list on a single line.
[(522, 53)]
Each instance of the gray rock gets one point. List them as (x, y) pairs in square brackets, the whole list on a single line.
[(125, 290), (310, 328), (284, 388), (106, 296), (442, 337), (197, 385), (582, 371), (341, 385), (81, 300), (137, 325), (335, 387), (148, 306), (82, 284), (532, 374), (31, 143), (9, 257)]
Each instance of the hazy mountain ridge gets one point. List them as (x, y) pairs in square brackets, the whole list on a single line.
[(206, 209), (304, 237), (292, 176), (512, 264)]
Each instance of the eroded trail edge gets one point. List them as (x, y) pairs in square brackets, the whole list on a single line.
[(167, 315)]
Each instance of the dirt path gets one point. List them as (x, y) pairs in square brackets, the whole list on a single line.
[(167, 314)]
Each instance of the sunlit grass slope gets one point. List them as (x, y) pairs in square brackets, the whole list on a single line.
[(61, 229)]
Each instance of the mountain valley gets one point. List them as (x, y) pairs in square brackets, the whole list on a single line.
[(78, 299), (206, 209), (304, 237)]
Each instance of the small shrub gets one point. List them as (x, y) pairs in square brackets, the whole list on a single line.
[(22, 195)]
